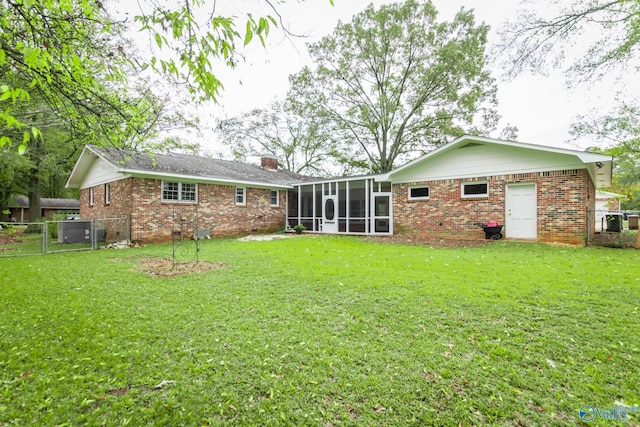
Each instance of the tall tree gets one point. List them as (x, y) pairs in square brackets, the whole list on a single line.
[(49, 44), (301, 143), (534, 42), (395, 82)]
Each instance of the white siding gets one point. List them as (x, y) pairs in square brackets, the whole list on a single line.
[(485, 160), (101, 172)]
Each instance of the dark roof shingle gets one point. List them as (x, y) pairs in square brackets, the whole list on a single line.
[(197, 167)]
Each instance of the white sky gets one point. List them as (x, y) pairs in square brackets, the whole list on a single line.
[(542, 108)]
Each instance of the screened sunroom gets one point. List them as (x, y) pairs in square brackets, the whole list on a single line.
[(349, 205)]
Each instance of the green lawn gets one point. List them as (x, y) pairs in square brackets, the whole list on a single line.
[(321, 331)]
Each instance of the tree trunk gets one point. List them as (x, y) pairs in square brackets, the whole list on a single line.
[(36, 152), (35, 207)]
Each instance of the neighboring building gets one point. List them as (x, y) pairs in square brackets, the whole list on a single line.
[(606, 202), (536, 192), (19, 208)]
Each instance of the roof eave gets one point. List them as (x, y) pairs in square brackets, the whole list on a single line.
[(204, 180), (81, 167), (585, 157)]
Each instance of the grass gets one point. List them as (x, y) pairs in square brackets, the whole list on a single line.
[(20, 243), (321, 331)]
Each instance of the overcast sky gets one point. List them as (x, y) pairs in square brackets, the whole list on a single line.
[(542, 108)]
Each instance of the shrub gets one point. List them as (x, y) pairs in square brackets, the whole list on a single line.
[(33, 228), (8, 228)]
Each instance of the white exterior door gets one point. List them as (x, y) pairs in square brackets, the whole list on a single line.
[(521, 211), (330, 207)]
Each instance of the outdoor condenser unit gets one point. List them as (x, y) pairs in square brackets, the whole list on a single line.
[(77, 231)]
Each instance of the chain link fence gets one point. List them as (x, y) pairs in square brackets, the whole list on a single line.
[(37, 238)]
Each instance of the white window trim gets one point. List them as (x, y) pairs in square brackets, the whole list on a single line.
[(91, 197), (244, 196), (180, 199), (473, 196), (418, 198), (107, 194), (277, 198)]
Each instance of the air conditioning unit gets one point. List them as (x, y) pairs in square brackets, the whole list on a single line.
[(75, 231)]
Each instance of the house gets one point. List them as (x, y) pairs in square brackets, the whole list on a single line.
[(537, 192), (169, 195), (19, 208)]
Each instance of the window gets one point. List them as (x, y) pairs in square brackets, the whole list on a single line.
[(107, 194), (240, 199), (179, 192), (188, 192), (91, 197), (475, 189), (417, 193), (275, 199)]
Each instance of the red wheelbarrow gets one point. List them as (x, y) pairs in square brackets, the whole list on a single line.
[(492, 230)]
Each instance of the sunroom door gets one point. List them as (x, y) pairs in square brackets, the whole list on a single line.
[(382, 213), (330, 208)]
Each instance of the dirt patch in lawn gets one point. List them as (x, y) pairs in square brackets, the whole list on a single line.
[(167, 267), (9, 239), (433, 242)]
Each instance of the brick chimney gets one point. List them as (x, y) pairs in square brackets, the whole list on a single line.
[(269, 162)]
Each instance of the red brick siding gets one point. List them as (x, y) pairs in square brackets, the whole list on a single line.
[(119, 206), (216, 211), (120, 201), (563, 198)]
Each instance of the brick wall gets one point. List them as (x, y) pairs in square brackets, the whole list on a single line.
[(154, 221), (563, 198), (216, 211), (119, 206)]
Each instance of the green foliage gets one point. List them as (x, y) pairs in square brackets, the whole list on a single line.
[(8, 228), (321, 331), (302, 143), (74, 56), (199, 45), (395, 82), (299, 227), (619, 133), (535, 43), (33, 228)]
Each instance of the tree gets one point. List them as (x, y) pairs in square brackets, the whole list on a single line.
[(51, 46), (533, 42), (132, 117), (68, 79), (395, 82), (12, 166), (301, 143), (619, 136)]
